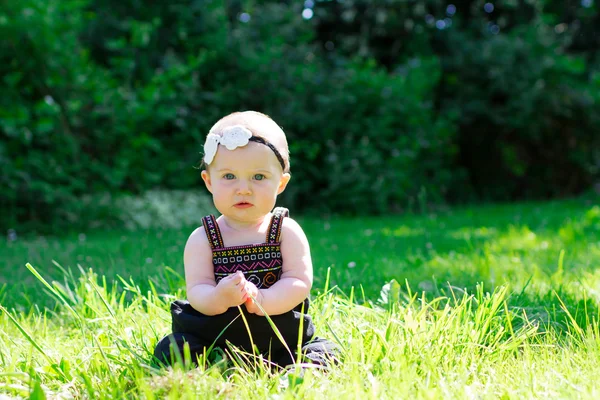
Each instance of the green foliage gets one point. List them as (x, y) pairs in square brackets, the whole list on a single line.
[(386, 104), (72, 127), (521, 78), (528, 113), (370, 142)]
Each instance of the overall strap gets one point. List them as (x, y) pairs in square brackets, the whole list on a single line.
[(274, 232), (213, 234)]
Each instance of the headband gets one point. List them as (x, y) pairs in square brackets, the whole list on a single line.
[(232, 138)]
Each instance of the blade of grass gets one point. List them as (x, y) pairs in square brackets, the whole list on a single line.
[(274, 327), (97, 290), (300, 330), (54, 291), (254, 349), (220, 334), (29, 338)]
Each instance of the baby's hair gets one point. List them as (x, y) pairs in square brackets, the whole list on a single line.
[(261, 126)]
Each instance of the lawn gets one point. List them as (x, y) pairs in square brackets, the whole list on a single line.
[(495, 301)]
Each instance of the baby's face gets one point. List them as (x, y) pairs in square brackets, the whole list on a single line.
[(245, 182)]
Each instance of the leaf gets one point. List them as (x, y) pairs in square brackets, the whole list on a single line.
[(390, 293), (294, 380), (37, 393)]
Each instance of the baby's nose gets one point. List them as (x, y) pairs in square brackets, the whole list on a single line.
[(244, 187)]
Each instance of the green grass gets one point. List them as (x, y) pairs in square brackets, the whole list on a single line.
[(486, 302)]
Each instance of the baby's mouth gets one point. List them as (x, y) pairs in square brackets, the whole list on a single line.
[(242, 204)]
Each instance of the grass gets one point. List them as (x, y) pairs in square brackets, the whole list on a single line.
[(496, 301)]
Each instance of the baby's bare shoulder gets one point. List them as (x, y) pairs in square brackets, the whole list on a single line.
[(198, 238), (291, 231), (197, 260)]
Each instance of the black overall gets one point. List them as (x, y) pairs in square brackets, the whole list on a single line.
[(261, 264)]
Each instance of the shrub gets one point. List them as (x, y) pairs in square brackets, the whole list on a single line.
[(528, 113), (371, 142), (401, 101)]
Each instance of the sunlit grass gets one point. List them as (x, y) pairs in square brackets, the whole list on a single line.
[(487, 302), (457, 346)]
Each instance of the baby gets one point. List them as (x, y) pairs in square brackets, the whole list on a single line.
[(253, 259)]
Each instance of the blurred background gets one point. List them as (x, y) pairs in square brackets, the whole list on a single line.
[(389, 105)]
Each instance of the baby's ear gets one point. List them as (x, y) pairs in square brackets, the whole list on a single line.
[(285, 178), (206, 179)]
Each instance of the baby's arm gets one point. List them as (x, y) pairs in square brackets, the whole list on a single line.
[(297, 277), (203, 293)]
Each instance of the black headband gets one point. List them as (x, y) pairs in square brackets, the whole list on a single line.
[(258, 139)]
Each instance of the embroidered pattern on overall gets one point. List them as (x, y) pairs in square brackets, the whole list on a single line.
[(260, 263)]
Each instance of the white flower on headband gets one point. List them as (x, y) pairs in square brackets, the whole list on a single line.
[(233, 137)]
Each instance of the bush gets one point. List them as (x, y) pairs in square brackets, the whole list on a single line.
[(522, 78), (371, 142), (50, 89), (89, 116), (71, 127), (529, 114), (401, 101)]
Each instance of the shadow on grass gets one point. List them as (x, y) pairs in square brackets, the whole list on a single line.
[(560, 311), (88, 287), (549, 244)]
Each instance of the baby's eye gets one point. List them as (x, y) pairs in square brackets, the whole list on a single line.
[(229, 176), (259, 177)]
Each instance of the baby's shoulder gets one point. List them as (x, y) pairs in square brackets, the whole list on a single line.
[(291, 230), (198, 238), (289, 223)]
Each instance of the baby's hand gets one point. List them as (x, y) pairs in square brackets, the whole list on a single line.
[(232, 289), (253, 296)]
